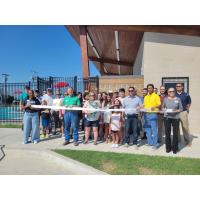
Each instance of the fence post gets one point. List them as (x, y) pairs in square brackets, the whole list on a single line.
[(97, 83), (51, 83), (37, 84), (75, 83)]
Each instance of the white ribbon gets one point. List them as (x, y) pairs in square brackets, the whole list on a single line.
[(95, 109)]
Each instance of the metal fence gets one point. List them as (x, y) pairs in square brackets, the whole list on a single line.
[(10, 93)]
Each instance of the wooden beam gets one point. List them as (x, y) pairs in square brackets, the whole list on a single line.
[(101, 70), (84, 52), (180, 30), (71, 30), (110, 61)]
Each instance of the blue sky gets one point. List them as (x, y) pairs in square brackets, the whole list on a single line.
[(49, 50)]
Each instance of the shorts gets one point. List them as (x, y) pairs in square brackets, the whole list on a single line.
[(88, 123), (114, 131), (45, 122)]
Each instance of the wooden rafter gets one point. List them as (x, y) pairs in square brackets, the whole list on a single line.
[(110, 61)]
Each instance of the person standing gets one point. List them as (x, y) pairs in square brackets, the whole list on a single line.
[(31, 119), (70, 116), (152, 105), (23, 97), (143, 115), (172, 106), (121, 97), (131, 104), (57, 101), (48, 97), (91, 118), (106, 117), (186, 102), (37, 95), (115, 126), (161, 129)]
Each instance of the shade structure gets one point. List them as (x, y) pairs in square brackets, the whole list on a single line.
[(113, 48)]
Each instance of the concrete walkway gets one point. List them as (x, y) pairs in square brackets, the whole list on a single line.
[(38, 159)]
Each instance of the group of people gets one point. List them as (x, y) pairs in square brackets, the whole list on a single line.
[(111, 117)]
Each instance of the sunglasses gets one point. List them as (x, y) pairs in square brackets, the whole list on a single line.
[(171, 91), (131, 90)]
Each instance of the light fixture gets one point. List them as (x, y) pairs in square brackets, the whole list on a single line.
[(118, 55), (116, 39), (119, 69), (90, 40), (95, 51)]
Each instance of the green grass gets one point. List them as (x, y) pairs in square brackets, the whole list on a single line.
[(124, 164), (10, 125)]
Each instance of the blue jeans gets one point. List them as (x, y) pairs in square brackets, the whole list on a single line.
[(71, 120), (144, 122), (131, 123), (152, 129), (31, 123)]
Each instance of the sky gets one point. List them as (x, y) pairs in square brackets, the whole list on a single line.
[(48, 50)]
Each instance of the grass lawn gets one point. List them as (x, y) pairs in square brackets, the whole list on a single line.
[(122, 164), (10, 125)]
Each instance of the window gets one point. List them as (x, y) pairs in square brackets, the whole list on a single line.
[(172, 81)]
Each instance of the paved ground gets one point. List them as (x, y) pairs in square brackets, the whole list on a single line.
[(30, 158), (37, 158)]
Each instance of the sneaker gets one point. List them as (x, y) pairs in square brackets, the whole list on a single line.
[(116, 145), (155, 147), (189, 144), (85, 142), (126, 145), (66, 143), (75, 143), (113, 145), (24, 142), (35, 142), (135, 146), (42, 136)]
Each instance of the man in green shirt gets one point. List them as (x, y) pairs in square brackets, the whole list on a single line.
[(71, 117)]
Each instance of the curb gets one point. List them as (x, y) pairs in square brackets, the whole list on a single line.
[(77, 167)]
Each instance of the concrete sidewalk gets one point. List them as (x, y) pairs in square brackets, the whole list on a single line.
[(37, 159), (16, 152)]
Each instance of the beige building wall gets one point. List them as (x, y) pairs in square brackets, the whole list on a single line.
[(168, 55)]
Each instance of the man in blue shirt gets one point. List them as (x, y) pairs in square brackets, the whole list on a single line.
[(131, 104), (186, 103)]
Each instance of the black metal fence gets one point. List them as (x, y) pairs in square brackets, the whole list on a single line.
[(10, 93)]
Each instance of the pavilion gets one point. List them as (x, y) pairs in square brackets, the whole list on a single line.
[(140, 54)]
